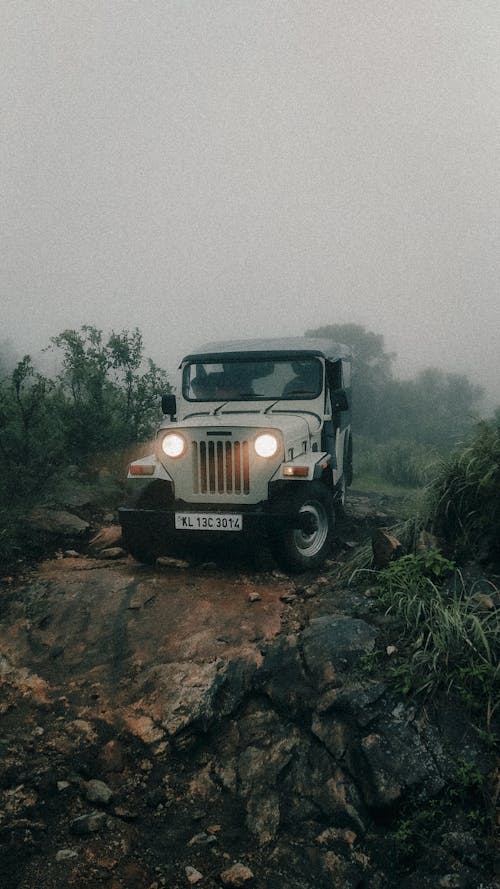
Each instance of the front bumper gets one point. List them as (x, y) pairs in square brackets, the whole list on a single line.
[(161, 522)]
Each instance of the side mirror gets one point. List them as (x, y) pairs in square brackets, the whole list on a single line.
[(339, 401), (169, 405)]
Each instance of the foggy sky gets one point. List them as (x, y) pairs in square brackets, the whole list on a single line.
[(210, 168)]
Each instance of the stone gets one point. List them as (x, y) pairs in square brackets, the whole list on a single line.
[(334, 645), (202, 839), (57, 522), (110, 536), (386, 547), (113, 552), (393, 761), (254, 597), (237, 875), (314, 781), (193, 876), (283, 678), (91, 823), (97, 791), (194, 695), (166, 562), (332, 733), (66, 854)]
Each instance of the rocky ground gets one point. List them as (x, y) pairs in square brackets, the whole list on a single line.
[(217, 723)]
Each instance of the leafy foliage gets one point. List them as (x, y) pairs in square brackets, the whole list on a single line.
[(452, 642), (435, 408), (108, 400), (372, 371), (105, 398), (464, 501)]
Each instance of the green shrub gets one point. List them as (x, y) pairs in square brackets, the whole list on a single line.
[(397, 462), (464, 498), (451, 642)]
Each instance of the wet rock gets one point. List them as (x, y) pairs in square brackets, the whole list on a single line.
[(237, 875), (334, 645), (254, 597), (193, 876), (393, 762), (283, 678), (91, 823), (358, 702), (112, 552), (96, 791), (386, 547), (333, 733), (142, 596), (314, 777), (66, 855), (167, 562), (108, 537), (259, 769), (57, 523), (202, 839), (193, 695)]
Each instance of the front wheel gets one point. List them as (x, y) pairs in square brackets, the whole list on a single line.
[(139, 544), (303, 540)]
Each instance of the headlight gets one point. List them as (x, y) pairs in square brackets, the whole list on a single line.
[(266, 445), (174, 444)]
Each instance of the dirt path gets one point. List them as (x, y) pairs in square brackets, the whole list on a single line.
[(111, 672)]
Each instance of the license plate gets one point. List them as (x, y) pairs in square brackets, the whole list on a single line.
[(208, 521)]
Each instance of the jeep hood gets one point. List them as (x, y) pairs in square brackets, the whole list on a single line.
[(254, 414)]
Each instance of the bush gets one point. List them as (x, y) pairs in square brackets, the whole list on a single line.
[(397, 462), (453, 643), (105, 400), (464, 501)]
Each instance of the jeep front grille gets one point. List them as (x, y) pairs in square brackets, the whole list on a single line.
[(221, 467)]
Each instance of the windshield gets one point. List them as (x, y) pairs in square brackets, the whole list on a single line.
[(247, 380)]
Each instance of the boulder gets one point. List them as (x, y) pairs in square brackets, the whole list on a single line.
[(393, 762), (110, 536), (57, 523), (386, 547), (283, 678), (334, 645)]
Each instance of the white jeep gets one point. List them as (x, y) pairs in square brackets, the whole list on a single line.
[(258, 435)]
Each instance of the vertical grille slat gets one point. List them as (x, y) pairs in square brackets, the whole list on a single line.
[(221, 467)]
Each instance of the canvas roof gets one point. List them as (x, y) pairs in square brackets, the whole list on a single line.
[(291, 347)]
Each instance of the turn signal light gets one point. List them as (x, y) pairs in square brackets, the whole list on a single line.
[(141, 469)]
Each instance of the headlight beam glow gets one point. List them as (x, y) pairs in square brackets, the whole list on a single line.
[(174, 445), (266, 445)]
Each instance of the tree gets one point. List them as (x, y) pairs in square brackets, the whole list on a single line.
[(435, 408), (372, 372), (110, 399), (32, 442)]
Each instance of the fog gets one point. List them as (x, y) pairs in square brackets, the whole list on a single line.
[(215, 168)]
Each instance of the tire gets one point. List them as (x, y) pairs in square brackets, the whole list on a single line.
[(300, 549), (140, 546)]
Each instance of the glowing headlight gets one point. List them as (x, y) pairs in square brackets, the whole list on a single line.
[(173, 444), (266, 445)]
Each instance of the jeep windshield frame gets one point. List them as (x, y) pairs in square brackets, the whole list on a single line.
[(252, 377)]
